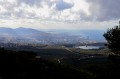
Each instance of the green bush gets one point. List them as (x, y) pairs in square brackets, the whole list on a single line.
[(113, 39)]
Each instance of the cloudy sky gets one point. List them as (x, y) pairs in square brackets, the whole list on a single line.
[(59, 14)]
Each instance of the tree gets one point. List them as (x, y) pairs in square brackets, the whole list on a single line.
[(113, 39)]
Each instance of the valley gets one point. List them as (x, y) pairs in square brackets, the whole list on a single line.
[(64, 54)]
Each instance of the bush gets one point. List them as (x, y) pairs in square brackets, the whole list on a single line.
[(113, 39)]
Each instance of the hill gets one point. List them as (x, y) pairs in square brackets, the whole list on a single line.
[(25, 65), (28, 35)]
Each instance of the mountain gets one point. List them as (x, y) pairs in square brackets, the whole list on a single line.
[(20, 34), (28, 35), (7, 34), (22, 30)]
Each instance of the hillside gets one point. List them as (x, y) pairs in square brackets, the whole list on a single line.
[(25, 65)]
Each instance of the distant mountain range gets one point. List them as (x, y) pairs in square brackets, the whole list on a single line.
[(28, 35)]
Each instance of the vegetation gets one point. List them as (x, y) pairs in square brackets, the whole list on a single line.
[(25, 65), (113, 39)]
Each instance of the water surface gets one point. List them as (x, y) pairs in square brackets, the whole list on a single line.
[(88, 47)]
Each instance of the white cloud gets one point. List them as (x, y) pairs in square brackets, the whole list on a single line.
[(2, 9), (79, 5), (60, 10), (58, 13), (10, 1)]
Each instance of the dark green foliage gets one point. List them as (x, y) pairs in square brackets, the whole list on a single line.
[(106, 70), (113, 39), (25, 65)]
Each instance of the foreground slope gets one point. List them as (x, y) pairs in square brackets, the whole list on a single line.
[(25, 65)]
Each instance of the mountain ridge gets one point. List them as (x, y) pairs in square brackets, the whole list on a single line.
[(29, 35)]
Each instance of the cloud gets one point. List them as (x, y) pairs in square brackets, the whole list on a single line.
[(29, 2), (104, 10), (61, 10), (59, 13), (57, 10)]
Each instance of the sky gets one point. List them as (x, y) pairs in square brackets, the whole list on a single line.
[(60, 14)]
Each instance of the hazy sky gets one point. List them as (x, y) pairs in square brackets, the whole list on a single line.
[(59, 14)]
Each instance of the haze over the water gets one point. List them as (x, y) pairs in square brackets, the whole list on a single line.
[(59, 14)]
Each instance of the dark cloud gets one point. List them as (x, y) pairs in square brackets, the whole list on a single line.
[(103, 10)]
